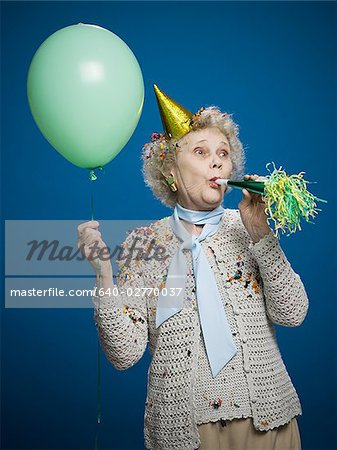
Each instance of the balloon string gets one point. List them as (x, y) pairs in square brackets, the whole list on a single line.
[(98, 357), (92, 201), (93, 177)]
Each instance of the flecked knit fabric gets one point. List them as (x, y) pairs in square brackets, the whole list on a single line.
[(258, 287)]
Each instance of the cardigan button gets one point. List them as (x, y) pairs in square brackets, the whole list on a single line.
[(254, 400)]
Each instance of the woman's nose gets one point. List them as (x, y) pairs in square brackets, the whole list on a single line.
[(216, 162)]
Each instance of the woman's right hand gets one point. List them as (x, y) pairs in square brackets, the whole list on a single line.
[(91, 245)]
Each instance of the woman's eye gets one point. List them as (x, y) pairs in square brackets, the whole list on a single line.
[(199, 151), (224, 152)]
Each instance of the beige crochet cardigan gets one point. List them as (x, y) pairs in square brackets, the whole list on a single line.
[(259, 288)]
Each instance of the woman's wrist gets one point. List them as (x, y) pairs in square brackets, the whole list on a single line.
[(105, 270), (105, 273), (105, 281), (256, 237)]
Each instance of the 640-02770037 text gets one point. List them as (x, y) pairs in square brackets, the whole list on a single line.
[(114, 292)]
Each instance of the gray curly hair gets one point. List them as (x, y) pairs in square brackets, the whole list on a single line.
[(159, 156)]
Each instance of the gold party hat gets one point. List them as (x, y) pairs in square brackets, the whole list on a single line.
[(175, 118)]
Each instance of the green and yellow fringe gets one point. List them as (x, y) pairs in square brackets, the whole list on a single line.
[(287, 200)]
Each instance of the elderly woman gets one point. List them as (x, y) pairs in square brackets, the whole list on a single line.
[(203, 289)]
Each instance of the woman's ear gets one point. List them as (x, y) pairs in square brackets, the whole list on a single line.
[(168, 172)]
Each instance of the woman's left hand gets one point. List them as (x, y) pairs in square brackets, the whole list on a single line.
[(252, 211)]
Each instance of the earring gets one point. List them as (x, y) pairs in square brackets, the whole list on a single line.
[(171, 182)]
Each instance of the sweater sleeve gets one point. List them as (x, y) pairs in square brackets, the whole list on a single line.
[(121, 318), (285, 295)]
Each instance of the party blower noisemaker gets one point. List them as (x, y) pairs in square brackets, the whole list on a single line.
[(286, 198)]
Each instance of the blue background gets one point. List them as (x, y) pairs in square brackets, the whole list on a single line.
[(271, 64)]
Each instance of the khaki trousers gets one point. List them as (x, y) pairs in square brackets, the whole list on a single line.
[(240, 434)]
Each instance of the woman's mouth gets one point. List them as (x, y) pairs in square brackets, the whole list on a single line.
[(212, 182)]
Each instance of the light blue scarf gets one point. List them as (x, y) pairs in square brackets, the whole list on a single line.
[(217, 335)]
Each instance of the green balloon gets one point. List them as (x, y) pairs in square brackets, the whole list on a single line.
[(86, 92)]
